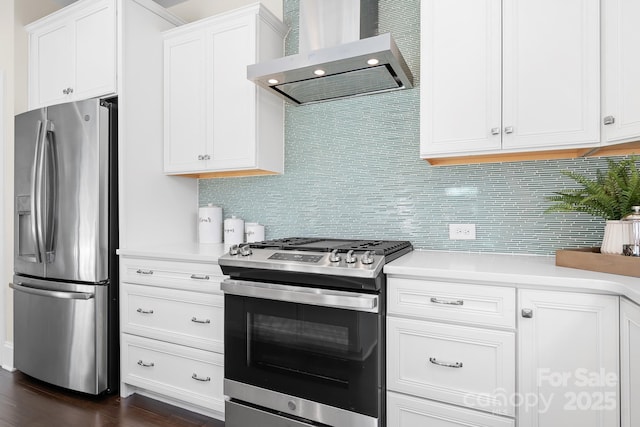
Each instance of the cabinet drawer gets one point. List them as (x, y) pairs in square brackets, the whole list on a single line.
[(183, 275), (455, 364), (183, 317), (474, 304), (191, 375), (405, 411)]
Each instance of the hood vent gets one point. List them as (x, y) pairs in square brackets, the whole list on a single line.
[(340, 56)]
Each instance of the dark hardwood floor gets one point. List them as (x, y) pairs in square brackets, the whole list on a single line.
[(26, 402)]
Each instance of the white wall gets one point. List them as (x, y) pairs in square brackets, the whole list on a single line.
[(192, 10)]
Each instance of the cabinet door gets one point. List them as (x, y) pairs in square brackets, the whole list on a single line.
[(461, 72), (231, 46), (407, 411), (95, 51), (630, 369), (50, 64), (551, 73), (621, 65), (465, 366), (568, 359), (185, 114)]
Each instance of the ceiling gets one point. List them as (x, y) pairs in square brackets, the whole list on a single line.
[(164, 3)]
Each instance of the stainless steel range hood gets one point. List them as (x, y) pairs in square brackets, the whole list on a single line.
[(340, 55)]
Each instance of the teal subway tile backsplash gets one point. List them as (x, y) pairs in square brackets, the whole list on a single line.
[(352, 170)]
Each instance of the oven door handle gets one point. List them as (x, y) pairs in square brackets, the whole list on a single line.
[(302, 295)]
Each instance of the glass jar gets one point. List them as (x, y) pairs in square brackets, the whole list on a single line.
[(633, 248)]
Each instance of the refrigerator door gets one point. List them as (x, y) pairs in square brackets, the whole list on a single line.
[(75, 227), (29, 141), (60, 333)]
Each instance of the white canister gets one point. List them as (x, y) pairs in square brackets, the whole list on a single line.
[(210, 224), (233, 231), (253, 232)]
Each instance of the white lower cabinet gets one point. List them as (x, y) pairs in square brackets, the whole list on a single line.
[(175, 371), (407, 411), (455, 364), (171, 322), (451, 354), (453, 358), (568, 359), (630, 363)]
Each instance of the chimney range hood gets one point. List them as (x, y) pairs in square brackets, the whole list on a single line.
[(340, 56)]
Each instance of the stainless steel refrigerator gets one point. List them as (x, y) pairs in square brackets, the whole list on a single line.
[(66, 232)]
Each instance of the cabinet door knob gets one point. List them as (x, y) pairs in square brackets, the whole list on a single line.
[(200, 157), (495, 131), (508, 129), (65, 91), (207, 157), (527, 313), (609, 120)]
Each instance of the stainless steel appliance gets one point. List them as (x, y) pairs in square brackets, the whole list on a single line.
[(65, 236), (340, 55), (305, 332)]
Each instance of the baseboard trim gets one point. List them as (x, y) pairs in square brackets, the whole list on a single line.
[(7, 356)]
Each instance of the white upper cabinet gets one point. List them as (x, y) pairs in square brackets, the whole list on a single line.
[(512, 76), (551, 73), (185, 126), (218, 123), (621, 66), (461, 85), (72, 54)]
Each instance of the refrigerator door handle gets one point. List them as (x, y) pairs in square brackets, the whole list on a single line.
[(19, 287), (50, 217), (36, 189)]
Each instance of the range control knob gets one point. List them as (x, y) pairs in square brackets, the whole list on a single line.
[(233, 250), (367, 258), (334, 257), (350, 258), (245, 250)]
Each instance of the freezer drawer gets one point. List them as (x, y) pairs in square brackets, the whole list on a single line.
[(60, 333)]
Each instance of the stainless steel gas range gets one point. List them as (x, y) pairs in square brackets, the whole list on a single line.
[(305, 332)]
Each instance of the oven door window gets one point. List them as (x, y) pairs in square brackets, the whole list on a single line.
[(322, 354)]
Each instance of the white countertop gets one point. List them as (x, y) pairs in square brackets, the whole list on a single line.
[(525, 271), (193, 252)]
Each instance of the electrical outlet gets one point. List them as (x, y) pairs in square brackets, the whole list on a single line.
[(462, 232)]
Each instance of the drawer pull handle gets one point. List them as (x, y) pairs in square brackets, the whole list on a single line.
[(139, 271), (142, 311), (445, 364), (447, 301), (196, 320), (200, 277), (146, 365), (197, 378)]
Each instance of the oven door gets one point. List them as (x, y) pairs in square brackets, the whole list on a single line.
[(318, 345)]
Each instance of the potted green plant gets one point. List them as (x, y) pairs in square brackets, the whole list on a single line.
[(610, 195)]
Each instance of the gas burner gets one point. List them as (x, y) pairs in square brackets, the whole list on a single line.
[(391, 249)]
